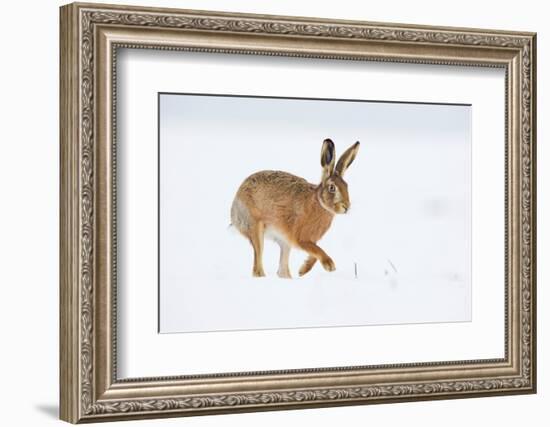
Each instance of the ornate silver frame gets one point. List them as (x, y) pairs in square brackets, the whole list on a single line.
[(90, 35)]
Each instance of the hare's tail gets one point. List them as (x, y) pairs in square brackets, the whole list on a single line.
[(240, 218)]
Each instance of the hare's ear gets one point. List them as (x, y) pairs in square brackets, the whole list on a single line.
[(328, 158), (346, 159)]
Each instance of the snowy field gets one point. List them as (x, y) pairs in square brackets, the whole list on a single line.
[(402, 253)]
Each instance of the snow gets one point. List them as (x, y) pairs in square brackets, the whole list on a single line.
[(402, 253)]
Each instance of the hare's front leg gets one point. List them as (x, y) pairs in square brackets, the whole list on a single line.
[(284, 271), (256, 237), (307, 265), (315, 251)]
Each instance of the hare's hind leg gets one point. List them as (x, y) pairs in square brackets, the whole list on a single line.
[(252, 229), (256, 237), (284, 271)]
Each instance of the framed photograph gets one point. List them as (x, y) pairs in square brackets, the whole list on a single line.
[(266, 212)]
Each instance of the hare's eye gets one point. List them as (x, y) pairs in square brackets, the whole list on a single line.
[(331, 188)]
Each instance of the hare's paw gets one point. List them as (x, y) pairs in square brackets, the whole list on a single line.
[(307, 265), (304, 269), (328, 264), (284, 274), (258, 273)]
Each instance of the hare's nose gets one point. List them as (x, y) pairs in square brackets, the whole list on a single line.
[(345, 207)]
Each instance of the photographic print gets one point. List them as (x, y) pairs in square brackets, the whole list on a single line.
[(282, 212)]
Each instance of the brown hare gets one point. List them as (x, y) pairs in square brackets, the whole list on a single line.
[(291, 211)]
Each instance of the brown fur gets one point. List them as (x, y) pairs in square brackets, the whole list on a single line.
[(295, 212)]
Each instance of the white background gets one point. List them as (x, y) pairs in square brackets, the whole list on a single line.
[(29, 218)]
